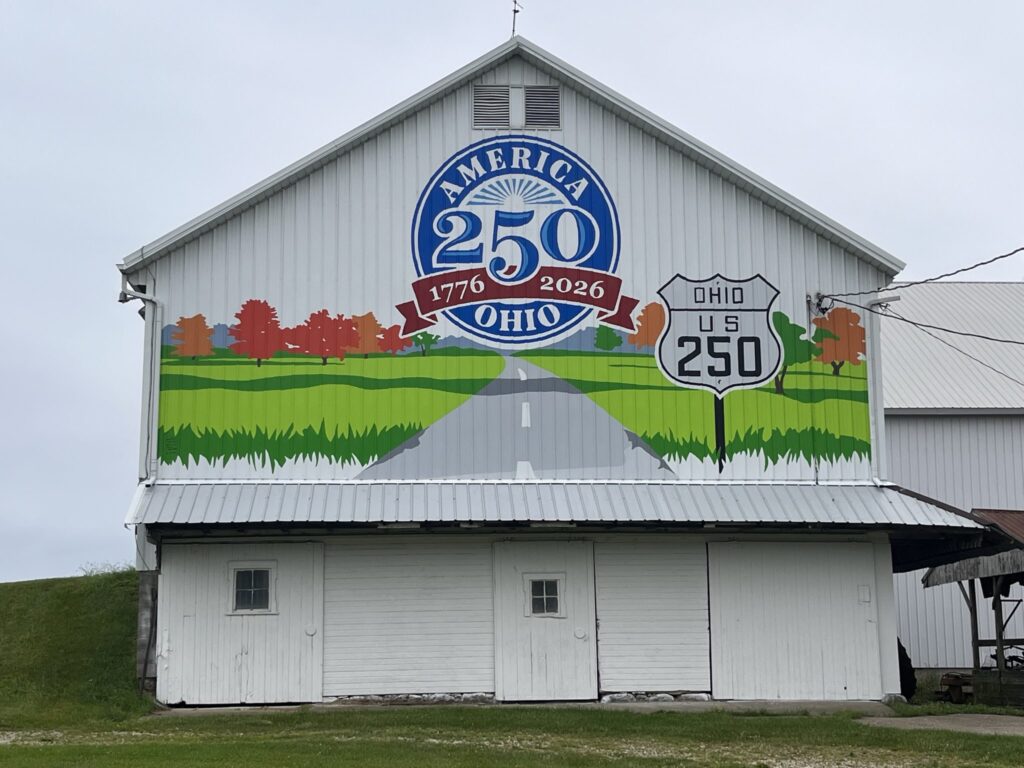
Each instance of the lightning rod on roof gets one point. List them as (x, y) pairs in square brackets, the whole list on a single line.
[(516, 8)]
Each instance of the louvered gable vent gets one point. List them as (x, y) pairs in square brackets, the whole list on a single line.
[(490, 106), (543, 106)]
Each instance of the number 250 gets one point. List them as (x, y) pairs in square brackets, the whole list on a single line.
[(748, 355)]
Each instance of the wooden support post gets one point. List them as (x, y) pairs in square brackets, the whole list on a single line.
[(973, 605), (997, 607)]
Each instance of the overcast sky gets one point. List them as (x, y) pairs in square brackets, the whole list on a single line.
[(120, 121)]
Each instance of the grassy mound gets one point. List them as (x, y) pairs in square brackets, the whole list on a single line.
[(67, 650)]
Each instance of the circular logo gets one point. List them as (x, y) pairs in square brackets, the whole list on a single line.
[(515, 240)]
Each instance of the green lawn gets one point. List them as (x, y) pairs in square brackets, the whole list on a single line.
[(292, 406), (820, 415), (67, 698), (487, 736)]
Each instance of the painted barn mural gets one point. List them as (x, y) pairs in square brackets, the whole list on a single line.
[(523, 318)]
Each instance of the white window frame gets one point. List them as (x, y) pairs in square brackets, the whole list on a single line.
[(253, 565), (528, 579)]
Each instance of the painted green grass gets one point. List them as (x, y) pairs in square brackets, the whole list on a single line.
[(292, 407), (819, 416)]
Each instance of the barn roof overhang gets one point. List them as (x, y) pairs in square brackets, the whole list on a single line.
[(924, 532), (518, 46)]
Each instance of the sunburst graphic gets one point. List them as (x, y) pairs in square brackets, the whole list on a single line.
[(501, 191)]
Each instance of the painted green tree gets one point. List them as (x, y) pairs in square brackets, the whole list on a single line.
[(795, 348), (425, 340), (606, 339)]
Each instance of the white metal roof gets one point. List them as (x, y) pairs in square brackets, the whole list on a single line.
[(922, 372), (504, 502), (518, 46)]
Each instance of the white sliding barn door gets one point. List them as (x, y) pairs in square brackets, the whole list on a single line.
[(209, 652), (545, 642), (794, 621)]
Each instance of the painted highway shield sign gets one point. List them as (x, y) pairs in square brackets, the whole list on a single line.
[(719, 334)]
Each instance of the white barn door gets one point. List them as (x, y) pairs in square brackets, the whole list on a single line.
[(794, 620), (216, 644), (545, 641)]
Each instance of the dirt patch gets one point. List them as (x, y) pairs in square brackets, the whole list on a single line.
[(996, 725)]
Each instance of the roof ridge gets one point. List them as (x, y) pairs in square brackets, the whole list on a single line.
[(680, 140)]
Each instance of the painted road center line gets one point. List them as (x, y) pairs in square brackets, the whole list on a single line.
[(522, 374), (526, 414)]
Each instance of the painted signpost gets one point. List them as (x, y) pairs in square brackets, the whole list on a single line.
[(720, 337)]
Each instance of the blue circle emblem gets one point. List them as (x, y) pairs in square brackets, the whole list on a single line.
[(513, 239)]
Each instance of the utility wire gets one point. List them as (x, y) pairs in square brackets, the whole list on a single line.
[(917, 324), (930, 279), (895, 315)]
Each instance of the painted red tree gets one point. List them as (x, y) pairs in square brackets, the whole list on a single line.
[(321, 335), (369, 331), (258, 333), (346, 335), (391, 340)]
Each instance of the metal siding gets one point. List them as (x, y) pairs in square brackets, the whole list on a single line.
[(652, 608), (970, 462), (787, 621), (408, 616), (338, 238), (921, 372), (545, 502)]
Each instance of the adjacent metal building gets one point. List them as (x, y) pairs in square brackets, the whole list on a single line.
[(512, 393), (954, 420)]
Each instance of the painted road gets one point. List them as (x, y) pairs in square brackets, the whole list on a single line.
[(514, 428)]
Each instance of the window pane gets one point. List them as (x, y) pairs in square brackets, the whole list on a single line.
[(551, 605), (551, 588), (260, 599), (243, 600), (538, 605), (243, 579), (261, 579), (537, 588)]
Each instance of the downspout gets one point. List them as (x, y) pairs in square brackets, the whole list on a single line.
[(878, 373), (153, 368)]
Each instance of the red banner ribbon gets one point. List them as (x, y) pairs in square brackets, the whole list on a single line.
[(445, 290)]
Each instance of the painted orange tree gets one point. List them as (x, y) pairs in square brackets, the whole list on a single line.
[(649, 324), (845, 342), (193, 337)]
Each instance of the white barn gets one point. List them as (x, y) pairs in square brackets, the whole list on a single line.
[(516, 392), (955, 431)]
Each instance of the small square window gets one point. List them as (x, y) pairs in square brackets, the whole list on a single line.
[(252, 589), (544, 597)]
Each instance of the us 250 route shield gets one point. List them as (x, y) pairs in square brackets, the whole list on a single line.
[(719, 334)]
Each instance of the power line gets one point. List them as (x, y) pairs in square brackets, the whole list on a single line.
[(895, 315), (917, 324), (901, 286)]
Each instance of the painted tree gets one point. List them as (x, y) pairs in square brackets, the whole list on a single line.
[(649, 324), (845, 343), (392, 341), (258, 333), (346, 335), (369, 331), (425, 340), (193, 337), (795, 348), (606, 339), (316, 336)]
